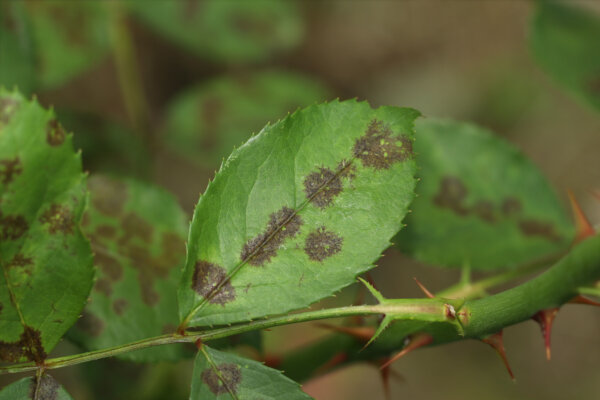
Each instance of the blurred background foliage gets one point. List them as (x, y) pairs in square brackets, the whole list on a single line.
[(163, 90)]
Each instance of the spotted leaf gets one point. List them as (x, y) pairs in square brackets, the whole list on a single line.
[(30, 389)]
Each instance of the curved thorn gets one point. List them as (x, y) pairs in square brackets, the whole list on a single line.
[(362, 333), (416, 341), (372, 290), (579, 299), (334, 361), (497, 343), (545, 318), (424, 289), (584, 228)]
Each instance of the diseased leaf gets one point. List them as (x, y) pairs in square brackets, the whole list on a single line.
[(138, 238), (564, 40), (298, 211), (28, 389), (205, 123), (46, 262), (480, 202), (225, 31), (69, 37), (16, 48), (219, 375)]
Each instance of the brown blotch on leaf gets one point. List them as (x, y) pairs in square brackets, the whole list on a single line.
[(485, 210), (282, 224), (379, 149), (90, 324), (321, 244), (19, 260), (44, 389), (120, 305), (29, 345), (105, 231), (226, 380), (55, 134), (211, 282), (8, 107), (109, 265), (59, 218), (104, 286), (108, 196), (452, 194), (12, 227), (135, 227), (531, 227), (322, 186), (511, 206), (9, 169)]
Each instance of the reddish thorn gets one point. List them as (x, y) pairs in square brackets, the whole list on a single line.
[(272, 361), (333, 362), (385, 378), (418, 340), (583, 227), (362, 333), (198, 344), (496, 342), (579, 299), (545, 319), (424, 289), (596, 194)]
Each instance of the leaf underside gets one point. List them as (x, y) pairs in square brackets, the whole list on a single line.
[(137, 232), (298, 211), (46, 263), (481, 203), (29, 389), (223, 376)]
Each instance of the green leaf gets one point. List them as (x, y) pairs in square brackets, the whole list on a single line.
[(70, 37), (219, 375), (28, 389), (138, 238), (46, 262), (16, 48), (205, 123), (225, 31), (564, 40), (298, 211), (481, 203)]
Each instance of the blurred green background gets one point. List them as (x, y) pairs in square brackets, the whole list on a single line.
[(163, 91)]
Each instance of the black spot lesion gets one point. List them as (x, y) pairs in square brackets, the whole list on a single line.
[(43, 388), (225, 378), (90, 324), (283, 224), (55, 133), (9, 168), (59, 219), (532, 227), (8, 107), (324, 184), (378, 148), (321, 244), (452, 195), (211, 281), (12, 227), (108, 196), (29, 346)]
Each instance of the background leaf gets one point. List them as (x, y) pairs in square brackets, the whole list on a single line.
[(25, 389), (206, 122), (219, 375), (298, 211), (225, 31), (564, 40), (137, 233), (45, 260), (16, 48), (480, 202)]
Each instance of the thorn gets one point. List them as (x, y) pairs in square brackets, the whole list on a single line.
[(373, 291), (416, 341), (272, 361), (362, 333), (337, 359), (198, 344), (424, 289), (496, 342), (583, 227), (579, 299), (596, 194), (545, 319), (385, 374)]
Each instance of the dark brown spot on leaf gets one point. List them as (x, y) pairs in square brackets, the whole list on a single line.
[(29, 345), (104, 286), (379, 149), (8, 107), (9, 169), (452, 194), (106, 231), (120, 305), (12, 227), (59, 218), (211, 282), (44, 389), (511, 207), (109, 265), (108, 196), (135, 227), (55, 134), (322, 186), (485, 210), (322, 243), (225, 379), (90, 324), (19, 260), (531, 227), (283, 224)]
